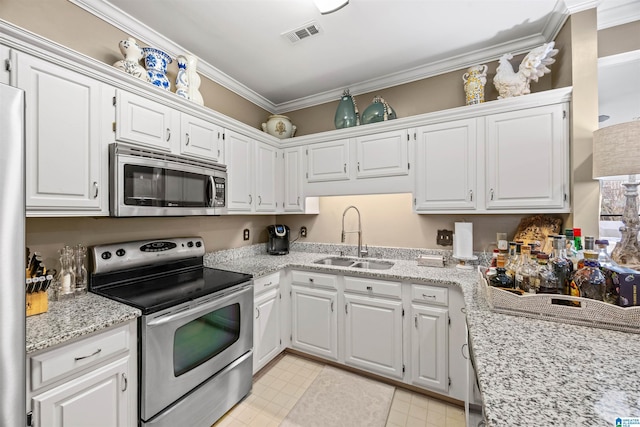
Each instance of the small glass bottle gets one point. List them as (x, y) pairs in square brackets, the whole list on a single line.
[(79, 256), (589, 246), (525, 272), (577, 239), (514, 261), (66, 278), (589, 282), (561, 264), (603, 256), (501, 280), (547, 281), (570, 248)]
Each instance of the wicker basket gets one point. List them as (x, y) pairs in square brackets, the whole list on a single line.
[(586, 312)]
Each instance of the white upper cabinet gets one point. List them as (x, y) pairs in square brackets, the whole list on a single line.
[(382, 154), (64, 159), (239, 157), (200, 138), (266, 174), (446, 156), (328, 161), (527, 158), (293, 180), (142, 121)]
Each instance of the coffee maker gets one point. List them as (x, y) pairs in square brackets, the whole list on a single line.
[(278, 239)]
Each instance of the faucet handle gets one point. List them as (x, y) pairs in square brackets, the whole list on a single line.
[(364, 252)]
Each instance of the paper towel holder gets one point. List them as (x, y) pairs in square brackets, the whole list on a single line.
[(463, 262)]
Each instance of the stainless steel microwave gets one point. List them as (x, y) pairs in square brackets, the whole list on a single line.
[(143, 182)]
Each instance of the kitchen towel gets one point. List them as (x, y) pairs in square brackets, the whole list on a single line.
[(340, 398)]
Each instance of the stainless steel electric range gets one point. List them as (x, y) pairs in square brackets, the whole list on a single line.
[(196, 330)]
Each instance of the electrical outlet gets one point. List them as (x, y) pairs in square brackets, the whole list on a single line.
[(444, 238), (245, 234), (303, 231)]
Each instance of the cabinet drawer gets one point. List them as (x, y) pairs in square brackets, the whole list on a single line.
[(430, 294), (56, 364), (373, 287), (314, 279), (264, 283)]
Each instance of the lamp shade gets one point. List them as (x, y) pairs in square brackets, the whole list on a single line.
[(329, 6), (616, 150)]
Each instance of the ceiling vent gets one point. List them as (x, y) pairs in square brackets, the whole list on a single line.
[(304, 32)]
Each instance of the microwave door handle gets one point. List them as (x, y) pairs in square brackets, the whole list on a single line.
[(211, 188)]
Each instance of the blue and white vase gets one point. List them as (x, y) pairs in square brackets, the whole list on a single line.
[(182, 80), (155, 61)]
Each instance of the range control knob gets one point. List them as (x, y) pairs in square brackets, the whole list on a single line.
[(105, 255), (190, 244), (120, 252), (198, 244)]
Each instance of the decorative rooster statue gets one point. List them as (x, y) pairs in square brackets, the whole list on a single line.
[(533, 66)]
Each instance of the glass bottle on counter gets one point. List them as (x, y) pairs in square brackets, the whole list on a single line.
[(547, 282), (589, 282), (603, 256), (514, 261), (577, 239), (525, 272), (561, 264), (589, 246), (501, 280), (570, 246)]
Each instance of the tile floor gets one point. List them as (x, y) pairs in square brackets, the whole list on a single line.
[(277, 388)]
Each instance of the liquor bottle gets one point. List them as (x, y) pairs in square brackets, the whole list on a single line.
[(611, 293), (570, 248), (514, 261), (525, 272), (561, 264), (547, 282), (589, 246), (603, 256), (589, 282), (501, 280), (577, 239)]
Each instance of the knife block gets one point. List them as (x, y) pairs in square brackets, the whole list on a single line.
[(37, 302)]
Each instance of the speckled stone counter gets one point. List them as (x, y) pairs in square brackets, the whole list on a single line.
[(74, 318), (531, 372)]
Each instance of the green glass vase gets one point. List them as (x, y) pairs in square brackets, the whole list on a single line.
[(347, 112), (378, 111)]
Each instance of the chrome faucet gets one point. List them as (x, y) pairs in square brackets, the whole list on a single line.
[(361, 252)]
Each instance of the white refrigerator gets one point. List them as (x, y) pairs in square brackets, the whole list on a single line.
[(12, 258)]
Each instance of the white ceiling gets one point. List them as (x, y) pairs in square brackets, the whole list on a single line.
[(365, 46)]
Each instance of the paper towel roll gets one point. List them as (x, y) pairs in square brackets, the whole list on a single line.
[(463, 240)]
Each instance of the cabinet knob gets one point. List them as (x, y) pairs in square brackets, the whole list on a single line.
[(369, 288), (358, 167), (125, 382), (491, 193), (310, 279), (471, 195), (332, 306), (95, 189), (415, 320)]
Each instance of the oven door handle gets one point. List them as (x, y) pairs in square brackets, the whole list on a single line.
[(203, 307)]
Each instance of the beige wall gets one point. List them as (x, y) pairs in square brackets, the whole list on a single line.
[(423, 96), (388, 220), (615, 40), (584, 120), (65, 23)]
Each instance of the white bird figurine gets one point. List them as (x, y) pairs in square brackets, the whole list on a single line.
[(533, 66)]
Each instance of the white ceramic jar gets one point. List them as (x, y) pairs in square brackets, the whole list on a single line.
[(279, 126)]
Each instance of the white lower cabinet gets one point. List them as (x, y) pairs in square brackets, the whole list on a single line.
[(314, 316), (92, 381), (99, 399), (267, 341), (373, 334), (429, 347)]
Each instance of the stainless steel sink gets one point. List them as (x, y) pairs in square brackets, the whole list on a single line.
[(355, 263), (338, 261), (373, 265)]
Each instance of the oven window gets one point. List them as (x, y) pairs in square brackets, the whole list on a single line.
[(205, 337)]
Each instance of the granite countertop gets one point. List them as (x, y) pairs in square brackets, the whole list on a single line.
[(531, 372), (74, 318)]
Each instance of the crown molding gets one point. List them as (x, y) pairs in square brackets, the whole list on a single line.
[(121, 20), (623, 12), (575, 6)]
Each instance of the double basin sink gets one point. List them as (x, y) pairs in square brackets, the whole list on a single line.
[(355, 263)]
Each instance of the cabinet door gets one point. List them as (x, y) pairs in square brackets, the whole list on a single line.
[(142, 121), (328, 161), (240, 172), (314, 321), (429, 347), (382, 154), (373, 340), (446, 166), (266, 161), (100, 399), (63, 152), (266, 328), (527, 158), (293, 180), (200, 138)]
